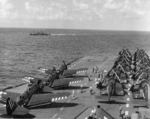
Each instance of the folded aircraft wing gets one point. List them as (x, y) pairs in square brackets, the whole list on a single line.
[(65, 82), (38, 99), (72, 72), (46, 98)]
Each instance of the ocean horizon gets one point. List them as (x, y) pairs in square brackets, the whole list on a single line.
[(22, 53)]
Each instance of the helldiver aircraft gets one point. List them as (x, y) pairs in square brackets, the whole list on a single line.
[(20, 99), (56, 78), (65, 71), (54, 82)]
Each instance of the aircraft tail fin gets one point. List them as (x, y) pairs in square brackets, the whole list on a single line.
[(10, 106)]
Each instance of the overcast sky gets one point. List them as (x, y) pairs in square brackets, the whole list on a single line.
[(85, 14)]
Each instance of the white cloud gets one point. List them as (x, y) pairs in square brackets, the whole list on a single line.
[(74, 11), (111, 4), (128, 8), (54, 10), (5, 8), (132, 8), (80, 5), (82, 9), (47, 11), (138, 2)]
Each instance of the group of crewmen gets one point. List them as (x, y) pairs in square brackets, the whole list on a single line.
[(37, 85)]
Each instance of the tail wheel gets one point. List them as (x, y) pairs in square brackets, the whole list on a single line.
[(110, 90), (145, 90)]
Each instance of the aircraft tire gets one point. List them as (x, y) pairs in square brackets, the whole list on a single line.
[(110, 90), (145, 90)]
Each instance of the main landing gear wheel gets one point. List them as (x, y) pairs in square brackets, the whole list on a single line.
[(110, 90), (145, 90)]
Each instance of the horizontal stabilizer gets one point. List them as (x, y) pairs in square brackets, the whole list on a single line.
[(27, 79), (42, 70)]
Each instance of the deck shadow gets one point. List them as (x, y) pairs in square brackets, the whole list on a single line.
[(27, 116), (105, 97), (112, 102), (138, 106), (56, 105), (72, 88)]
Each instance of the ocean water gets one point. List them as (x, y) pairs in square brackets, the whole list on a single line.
[(21, 53)]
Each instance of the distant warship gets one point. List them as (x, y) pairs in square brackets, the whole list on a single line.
[(39, 34)]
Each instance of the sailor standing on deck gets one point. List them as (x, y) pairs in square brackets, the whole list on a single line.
[(53, 76), (100, 78), (62, 68)]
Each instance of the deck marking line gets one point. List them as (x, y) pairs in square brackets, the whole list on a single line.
[(81, 112), (54, 116), (62, 108)]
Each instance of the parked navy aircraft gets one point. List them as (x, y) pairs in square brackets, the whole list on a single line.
[(53, 82), (37, 91), (65, 71), (57, 79), (20, 99)]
